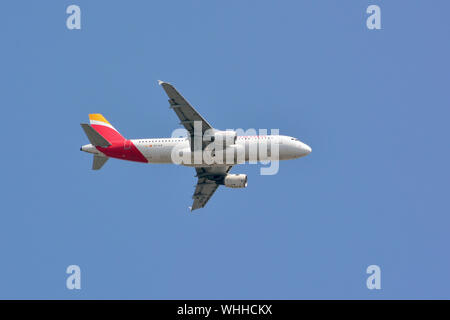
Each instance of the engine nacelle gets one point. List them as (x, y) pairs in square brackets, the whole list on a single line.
[(224, 139), (235, 180)]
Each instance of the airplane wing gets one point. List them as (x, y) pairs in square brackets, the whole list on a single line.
[(207, 184), (185, 112), (208, 177)]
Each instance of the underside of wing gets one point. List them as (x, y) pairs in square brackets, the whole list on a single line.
[(207, 184), (203, 192)]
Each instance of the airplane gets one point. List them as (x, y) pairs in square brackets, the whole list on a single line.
[(106, 142)]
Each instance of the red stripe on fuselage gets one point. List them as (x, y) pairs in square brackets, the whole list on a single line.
[(120, 147), (124, 150)]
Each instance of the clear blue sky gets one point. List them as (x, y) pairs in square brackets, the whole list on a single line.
[(373, 105)]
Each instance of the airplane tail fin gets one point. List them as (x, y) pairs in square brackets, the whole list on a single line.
[(101, 134), (104, 128), (98, 162), (95, 138)]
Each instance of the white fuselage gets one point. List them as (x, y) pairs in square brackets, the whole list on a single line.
[(254, 148)]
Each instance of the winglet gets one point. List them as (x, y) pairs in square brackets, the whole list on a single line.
[(160, 82)]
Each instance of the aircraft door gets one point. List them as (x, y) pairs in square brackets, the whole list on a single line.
[(127, 144)]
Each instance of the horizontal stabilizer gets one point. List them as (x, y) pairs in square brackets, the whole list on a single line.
[(94, 137), (98, 162)]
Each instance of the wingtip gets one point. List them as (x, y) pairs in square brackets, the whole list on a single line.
[(160, 82)]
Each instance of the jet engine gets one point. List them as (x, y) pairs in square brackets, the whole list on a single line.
[(235, 180)]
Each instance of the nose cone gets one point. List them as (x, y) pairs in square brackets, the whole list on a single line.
[(303, 149), (306, 149)]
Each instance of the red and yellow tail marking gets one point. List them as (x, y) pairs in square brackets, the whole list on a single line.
[(120, 148), (102, 126), (97, 118)]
